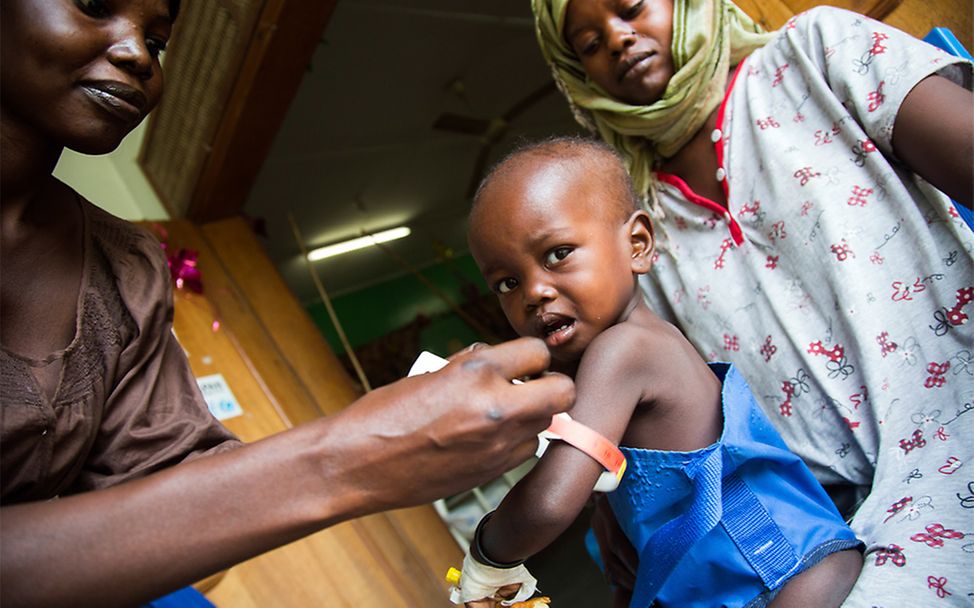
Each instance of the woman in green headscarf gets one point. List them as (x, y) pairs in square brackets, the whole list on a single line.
[(804, 231), (708, 39)]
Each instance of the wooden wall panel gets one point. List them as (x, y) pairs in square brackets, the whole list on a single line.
[(769, 14), (772, 14), (388, 559), (915, 17), (877, 9), (295, 335), (212, 352), (257, 352)]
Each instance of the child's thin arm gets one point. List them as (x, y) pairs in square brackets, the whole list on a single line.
[(934, 135), (540, 507)]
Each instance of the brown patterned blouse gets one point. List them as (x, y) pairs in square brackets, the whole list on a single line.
[(120, 401)]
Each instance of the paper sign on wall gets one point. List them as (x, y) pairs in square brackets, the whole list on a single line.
[(218, 397)]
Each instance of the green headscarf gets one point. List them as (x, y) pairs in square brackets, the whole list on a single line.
[(708, 37)]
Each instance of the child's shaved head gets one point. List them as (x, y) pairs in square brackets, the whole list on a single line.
[(595, 158)]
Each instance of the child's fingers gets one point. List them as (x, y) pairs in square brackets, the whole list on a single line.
[(505, 592)]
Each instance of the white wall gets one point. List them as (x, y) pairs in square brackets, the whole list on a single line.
[(115, 182)]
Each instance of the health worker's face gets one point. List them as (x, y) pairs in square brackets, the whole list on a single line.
[(81, 73), (624, 45)]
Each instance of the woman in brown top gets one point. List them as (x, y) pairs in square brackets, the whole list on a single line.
[(95, 391)]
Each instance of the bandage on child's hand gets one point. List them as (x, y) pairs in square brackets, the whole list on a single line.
[(536, 602), (482, 586)]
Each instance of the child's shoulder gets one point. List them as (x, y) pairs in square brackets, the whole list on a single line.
[(638, 344)]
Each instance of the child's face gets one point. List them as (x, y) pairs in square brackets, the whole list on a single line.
[(624, 45), (554, 246)]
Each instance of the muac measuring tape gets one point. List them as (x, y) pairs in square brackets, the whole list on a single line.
[(562, 427)]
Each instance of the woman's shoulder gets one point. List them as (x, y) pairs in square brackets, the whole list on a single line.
[(816, 28), (823, 14), (127, 243), (135, 258)]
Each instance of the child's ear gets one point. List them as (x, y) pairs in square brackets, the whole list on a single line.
[(641, 241)]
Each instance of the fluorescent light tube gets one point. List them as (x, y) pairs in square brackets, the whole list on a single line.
[(360, 243)]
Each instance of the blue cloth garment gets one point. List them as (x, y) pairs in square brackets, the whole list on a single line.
[(187, 597), (729, 524)]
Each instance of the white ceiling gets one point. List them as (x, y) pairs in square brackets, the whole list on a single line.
[(358, 152)]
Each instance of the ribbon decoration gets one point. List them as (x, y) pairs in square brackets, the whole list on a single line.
[(182, 268)]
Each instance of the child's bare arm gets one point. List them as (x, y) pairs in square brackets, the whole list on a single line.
[(649, 374), (543, 504), (934, 135)]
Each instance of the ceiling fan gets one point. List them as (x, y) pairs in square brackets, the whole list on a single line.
[(490, 130)]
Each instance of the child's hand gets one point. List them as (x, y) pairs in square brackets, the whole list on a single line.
[(482, 586), (508, 591)]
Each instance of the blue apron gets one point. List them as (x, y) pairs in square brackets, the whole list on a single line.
[(727, 525)]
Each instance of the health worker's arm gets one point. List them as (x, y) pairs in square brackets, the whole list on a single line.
[(404, 444)]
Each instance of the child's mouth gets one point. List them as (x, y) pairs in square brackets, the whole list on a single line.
[(557, 330)]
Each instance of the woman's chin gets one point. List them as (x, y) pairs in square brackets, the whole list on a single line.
[(95, 146)]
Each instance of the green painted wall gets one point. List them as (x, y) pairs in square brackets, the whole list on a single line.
[(115, 182), (372, 312)]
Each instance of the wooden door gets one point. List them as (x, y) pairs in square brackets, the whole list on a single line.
[(247, 327)]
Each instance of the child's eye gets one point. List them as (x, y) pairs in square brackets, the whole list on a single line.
[(505, 285), (557, 254), (93, 8)]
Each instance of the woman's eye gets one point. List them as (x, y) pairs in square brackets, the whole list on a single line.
[(557, 254), (505, 285), (633, 11), (93, 8), (589, 47), (156, 47)]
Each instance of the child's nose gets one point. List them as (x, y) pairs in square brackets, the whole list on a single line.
[(539, 291)]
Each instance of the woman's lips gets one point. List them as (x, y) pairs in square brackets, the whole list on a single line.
[(118, 99), (634, 65)]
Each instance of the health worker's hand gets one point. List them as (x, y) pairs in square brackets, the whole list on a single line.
[(440, 433)]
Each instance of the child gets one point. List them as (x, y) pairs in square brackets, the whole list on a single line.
[(798, 237), (722, 513)]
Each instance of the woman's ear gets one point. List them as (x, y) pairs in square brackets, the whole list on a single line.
[(641, 241)]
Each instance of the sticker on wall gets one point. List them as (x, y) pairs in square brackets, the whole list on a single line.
[(218, 397)]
